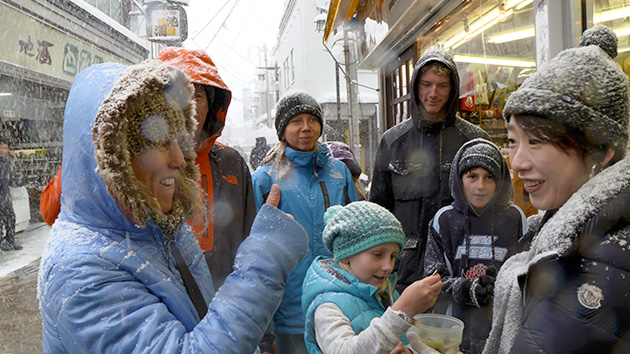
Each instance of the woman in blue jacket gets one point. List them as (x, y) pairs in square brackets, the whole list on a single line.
[(120, 262), (310, 181)]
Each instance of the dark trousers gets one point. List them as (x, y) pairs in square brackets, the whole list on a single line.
[(7, 222)]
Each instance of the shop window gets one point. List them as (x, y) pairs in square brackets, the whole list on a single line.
[(398, 89), (493, 45), (616, 15), (31, 120)]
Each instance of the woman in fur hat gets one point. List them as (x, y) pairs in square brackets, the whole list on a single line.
[(121, 273), (568, 132), (311, 181)]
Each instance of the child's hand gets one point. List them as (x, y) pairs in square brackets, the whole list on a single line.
[(419, 296), (400, 349)]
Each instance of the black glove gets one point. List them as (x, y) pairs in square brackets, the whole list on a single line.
[(483, 287), (479, 291)]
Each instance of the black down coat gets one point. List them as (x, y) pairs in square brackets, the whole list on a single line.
[(570, 293)]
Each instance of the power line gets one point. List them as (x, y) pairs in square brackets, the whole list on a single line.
[(213, 17), (224, 69), (237, 53), (222, 24)]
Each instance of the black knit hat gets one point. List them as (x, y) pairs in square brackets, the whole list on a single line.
[(294, 104), (480, 155), (582, 88)]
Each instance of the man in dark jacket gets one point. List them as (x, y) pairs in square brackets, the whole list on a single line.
[(414, 157), (7, 215), (258, 152)]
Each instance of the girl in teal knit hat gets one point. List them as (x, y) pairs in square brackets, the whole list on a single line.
[(349, 301)]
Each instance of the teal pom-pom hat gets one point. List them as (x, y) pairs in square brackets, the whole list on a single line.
[(359, 226)]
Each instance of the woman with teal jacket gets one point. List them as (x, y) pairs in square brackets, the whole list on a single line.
[(311, 181)]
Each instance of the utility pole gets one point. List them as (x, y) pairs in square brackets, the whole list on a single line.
[(353, 101), (267, 90)]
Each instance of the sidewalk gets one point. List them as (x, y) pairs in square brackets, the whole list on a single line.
[(20, 323), (33, 239)]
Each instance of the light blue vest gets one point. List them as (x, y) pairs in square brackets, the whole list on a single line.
[(359, 302)]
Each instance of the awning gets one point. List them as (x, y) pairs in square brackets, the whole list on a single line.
[(344, 10)]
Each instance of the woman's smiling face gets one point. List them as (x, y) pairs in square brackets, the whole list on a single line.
[(156, 168), (550, 174)]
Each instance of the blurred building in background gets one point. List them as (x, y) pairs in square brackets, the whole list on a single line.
[(303, 62), (47, 43)]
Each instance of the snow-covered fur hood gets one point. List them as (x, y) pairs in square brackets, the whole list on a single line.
[(504, 190), (98, 183), (441, 56), (556, 237)]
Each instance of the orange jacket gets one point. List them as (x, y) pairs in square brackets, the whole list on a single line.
[(50, 202), (225, 177)]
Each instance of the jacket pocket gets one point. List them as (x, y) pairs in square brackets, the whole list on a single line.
[(412, 181), (409, 266)]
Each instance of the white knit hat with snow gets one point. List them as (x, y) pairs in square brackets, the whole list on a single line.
[(582, 88)]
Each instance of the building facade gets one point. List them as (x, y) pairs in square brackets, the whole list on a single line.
[(46, 44), (305, 63)]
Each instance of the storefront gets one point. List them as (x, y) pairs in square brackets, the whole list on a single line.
[(496, 44), (45, 47)]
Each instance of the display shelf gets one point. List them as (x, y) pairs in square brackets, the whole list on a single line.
[(40, 145)]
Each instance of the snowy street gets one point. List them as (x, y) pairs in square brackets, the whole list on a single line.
[(33, 239), (20, 323)]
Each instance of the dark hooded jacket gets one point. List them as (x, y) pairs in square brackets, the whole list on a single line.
[(225, 177), (461, 245), (258, 152), (5, 181), (412, 165)]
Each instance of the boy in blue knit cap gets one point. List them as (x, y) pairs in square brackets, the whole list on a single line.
[(349, 301)]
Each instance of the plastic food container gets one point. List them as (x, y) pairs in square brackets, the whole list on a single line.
[(440, 332)]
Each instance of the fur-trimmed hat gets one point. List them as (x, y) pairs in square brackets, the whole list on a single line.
[(150, 104), (480, 155), (582, 88), (359, 226), (294, 104)]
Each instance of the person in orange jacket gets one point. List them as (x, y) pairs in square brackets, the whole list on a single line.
[(50, 202), (225, 177)]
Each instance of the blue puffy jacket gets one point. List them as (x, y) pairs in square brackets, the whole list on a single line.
[(109, 286), (315, 182)]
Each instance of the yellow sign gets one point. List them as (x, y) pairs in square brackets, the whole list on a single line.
[(35, 45)]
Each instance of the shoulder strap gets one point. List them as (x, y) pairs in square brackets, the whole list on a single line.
[(189, 281)]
